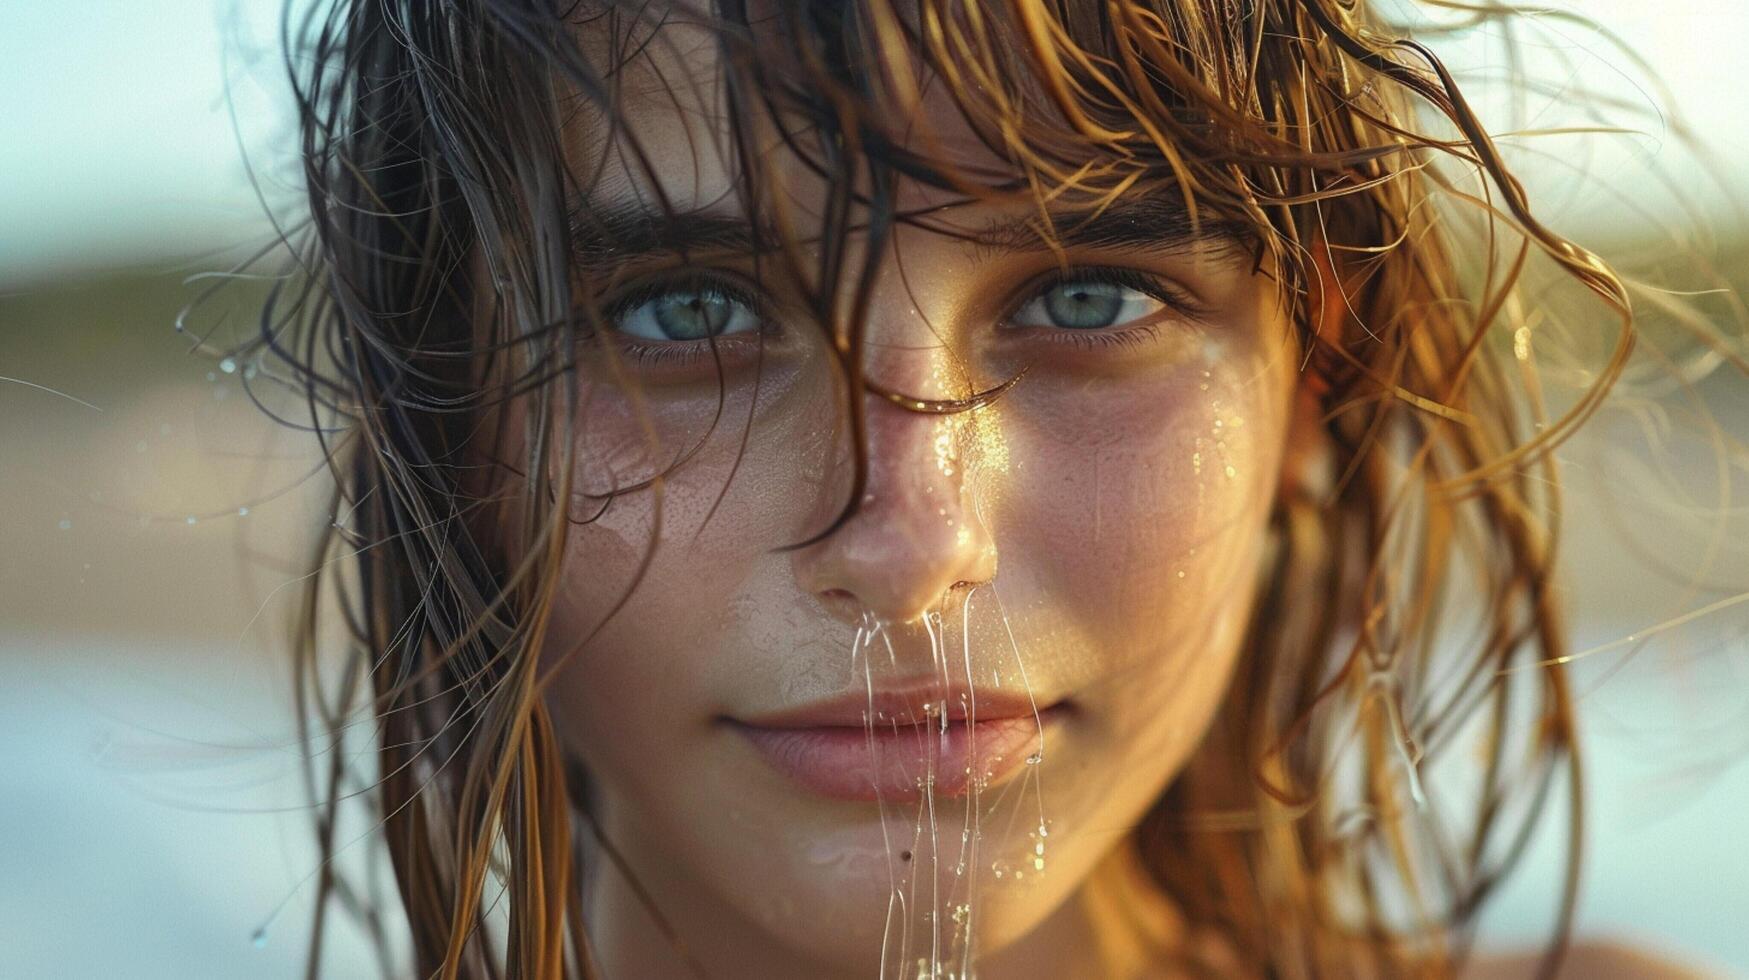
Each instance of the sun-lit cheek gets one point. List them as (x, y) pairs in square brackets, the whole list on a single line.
[(1144, 528), (1214, 447), (1150, 498)]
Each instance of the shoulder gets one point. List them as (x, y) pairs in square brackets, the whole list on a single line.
[(1589, 960)]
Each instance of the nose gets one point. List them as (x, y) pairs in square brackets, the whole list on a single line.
[(917, 533)]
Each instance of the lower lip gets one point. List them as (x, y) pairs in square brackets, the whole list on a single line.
[(900, 764)]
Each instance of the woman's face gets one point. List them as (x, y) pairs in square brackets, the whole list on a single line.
[(968, 693)]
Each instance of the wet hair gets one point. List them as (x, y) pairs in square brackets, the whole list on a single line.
[(1406, 610)]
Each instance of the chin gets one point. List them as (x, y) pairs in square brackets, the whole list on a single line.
[(847, 893), (849, 920)]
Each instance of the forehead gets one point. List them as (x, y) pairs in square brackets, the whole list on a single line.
[(671, 139), (693, 134)]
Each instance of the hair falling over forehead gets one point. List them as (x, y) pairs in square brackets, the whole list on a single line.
[(449, 247)]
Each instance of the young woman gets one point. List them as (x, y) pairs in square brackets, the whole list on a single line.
[(930, 488)]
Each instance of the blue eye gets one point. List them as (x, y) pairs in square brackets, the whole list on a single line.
[(1086, 304), (687, 314)]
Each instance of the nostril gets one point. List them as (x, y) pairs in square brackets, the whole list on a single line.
[(840, 601), (842, 604)]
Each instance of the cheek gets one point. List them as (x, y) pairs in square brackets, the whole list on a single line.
[(1144, 508), (1138, 517), (757, 493)]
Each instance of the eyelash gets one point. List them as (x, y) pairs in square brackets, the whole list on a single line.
[(680, 352)]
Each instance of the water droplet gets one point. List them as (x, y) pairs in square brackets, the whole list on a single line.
[(140, 447), (210, 376), (193, 519), (228, 366), (1231, 472), (65, 524), (242, 512), (259, 938)]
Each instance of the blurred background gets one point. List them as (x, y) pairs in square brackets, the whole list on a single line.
[(155, 525)]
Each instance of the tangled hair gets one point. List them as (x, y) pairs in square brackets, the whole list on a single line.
[(1406, 610)]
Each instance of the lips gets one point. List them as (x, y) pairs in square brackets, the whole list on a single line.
[(919, 740)]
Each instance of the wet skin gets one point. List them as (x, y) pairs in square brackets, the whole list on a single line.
[(1089, 541)]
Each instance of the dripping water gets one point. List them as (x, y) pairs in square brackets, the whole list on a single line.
[(1030, 784), (972, 829), (927, 935), (898, 906), (936, 717)]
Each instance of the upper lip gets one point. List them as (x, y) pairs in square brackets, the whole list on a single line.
[(901, 705)]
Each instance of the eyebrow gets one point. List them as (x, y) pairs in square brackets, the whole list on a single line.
[(613, 233), (1150, 224), (617, 232)]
